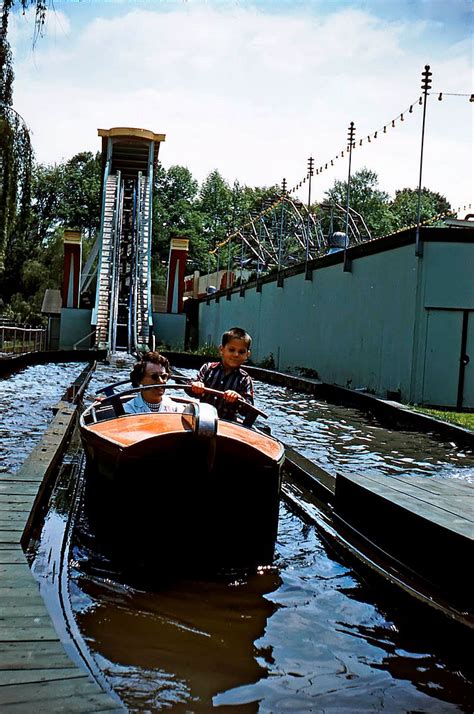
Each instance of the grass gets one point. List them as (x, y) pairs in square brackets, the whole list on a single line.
[(464, 419)]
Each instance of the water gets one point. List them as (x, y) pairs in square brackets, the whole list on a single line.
[(26, 399), (342, 439), (307, 635)]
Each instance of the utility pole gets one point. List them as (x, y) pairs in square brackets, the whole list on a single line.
[(350, 138), (308, 272), (425, 87), (280, 236)]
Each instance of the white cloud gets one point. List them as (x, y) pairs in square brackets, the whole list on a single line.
[(250, 93)]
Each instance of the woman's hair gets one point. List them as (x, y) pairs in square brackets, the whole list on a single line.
[(138, 371)]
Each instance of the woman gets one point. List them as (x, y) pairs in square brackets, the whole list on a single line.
[(153, 368)]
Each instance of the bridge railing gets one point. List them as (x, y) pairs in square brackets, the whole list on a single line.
[(20, 340)]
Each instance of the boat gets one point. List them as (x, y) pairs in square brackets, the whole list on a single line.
[(181, 490)]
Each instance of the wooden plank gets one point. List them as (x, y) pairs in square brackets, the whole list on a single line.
[(445, 512), (11, 506), (445, 488), (20, 676), (69, 695), (34, 655), (434, 542), (21, 629), (9, 538), (29, 590), (15, 498), (10, 570), (12, 554), (13, 486), (10, 608), (14, 518), (18, 581), (35, 672)]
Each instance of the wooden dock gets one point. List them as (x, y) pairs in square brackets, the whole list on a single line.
[(36, 675), (424, 523), (416, 531)]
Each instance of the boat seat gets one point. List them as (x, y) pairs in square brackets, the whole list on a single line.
[(104, 413)]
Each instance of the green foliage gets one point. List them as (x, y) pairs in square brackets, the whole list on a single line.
[(367, 199), (382, 215), (16, 157), (68, 195), (404, 206), (211, 351), (267, 362), (463, 419), (175, 214), (307, 372)]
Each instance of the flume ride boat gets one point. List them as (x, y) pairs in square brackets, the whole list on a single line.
[(181, 489)]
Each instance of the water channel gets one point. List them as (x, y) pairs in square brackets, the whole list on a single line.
[(309, 634)]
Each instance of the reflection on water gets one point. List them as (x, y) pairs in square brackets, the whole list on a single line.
[(308, 634), (26, 399), (169, 643), (305, 635)]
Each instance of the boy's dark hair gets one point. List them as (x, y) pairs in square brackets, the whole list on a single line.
[(236, 333), (138, 371)]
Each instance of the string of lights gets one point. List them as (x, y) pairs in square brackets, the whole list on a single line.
[(433, 219), (324, 167), (454, 94), (327, 165), (368, 139)]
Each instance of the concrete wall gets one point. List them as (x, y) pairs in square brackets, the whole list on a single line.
[(367, 328), (75, 325), (169, 329)]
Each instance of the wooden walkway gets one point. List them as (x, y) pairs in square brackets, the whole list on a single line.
[(36, 675), (426, 524), (416, 531)]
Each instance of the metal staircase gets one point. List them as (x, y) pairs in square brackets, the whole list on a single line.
[(142, 282), (101, 316), (122, 314)]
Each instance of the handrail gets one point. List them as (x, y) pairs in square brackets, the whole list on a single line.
[(114, 262), (101, 237), (33, 338), (74, 347)]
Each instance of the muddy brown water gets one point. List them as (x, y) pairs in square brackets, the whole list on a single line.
[(309, 634)]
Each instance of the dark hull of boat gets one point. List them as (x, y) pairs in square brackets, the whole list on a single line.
[(181, 502)]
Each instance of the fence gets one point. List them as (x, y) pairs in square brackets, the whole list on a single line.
[(19, 340)]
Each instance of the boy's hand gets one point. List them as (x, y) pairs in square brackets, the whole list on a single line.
[(231, 396), (197, 388)]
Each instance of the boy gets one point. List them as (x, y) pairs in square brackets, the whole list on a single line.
[(227, 375)]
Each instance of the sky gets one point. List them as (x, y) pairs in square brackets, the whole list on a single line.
[(253, 89)]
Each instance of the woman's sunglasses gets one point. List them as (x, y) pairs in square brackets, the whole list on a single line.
[(159, 376)]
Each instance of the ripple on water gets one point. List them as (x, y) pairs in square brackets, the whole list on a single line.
[(308, 634), (26, 399)]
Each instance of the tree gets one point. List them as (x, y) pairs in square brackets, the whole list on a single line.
[(80, 193), (215, 205), (16, 153), (405, 204), (365, 198), (175, 213), (66, 194)]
